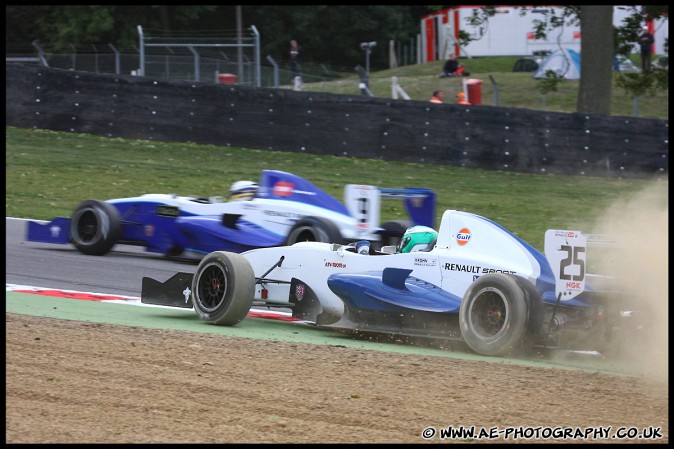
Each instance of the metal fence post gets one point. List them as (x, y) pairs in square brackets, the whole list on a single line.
[(258, 73), (197, 71), (95, 58), (40, 53), (276, 75), (495, 86), (141, 45), (117, 60), (74, 57)]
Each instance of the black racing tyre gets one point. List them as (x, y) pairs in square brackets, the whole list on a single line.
[(394, 231), (314, 229), (95, 227), (494, 315), (223, 288), (536, 309)]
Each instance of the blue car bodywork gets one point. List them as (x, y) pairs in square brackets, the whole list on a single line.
[(170, 224)]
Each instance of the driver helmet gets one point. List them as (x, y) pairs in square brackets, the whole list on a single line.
[(242, 190), (417, 238)]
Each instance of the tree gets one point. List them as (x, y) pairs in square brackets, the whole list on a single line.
[(328, 34), (600, 42), (640, 83), (331, 34), (596, 69), (64, 25)]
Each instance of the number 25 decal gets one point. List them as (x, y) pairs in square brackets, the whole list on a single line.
[(573, 258)]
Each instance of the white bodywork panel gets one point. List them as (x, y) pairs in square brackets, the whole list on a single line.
[(566, 253), (468, 247)]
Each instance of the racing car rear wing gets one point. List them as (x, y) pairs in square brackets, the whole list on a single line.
[(364, 204), (566, 252)]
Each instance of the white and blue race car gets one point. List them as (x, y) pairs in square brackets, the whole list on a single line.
[(282, 210), (477, 282)]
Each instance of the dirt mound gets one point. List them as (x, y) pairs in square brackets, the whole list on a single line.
[(78, 382)]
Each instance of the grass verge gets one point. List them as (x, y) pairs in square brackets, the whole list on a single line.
[(48, 173)]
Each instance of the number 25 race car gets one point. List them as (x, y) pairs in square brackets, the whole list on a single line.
[(281, 210), (477, 283)]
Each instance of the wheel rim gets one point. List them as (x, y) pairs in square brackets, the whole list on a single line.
[(488, 314), (211, 287), (87, 226)]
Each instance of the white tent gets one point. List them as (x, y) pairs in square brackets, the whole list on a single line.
[(565, 63)]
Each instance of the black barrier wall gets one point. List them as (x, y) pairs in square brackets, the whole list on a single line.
[(486, 137)]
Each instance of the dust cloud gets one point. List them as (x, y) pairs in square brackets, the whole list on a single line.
[(640, 265)]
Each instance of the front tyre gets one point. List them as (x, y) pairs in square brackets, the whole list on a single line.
[(494, 315), (223, 288), (95, 227), (314, 229)]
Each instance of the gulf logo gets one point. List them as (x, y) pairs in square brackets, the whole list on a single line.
[(463, 236), (282, 188)]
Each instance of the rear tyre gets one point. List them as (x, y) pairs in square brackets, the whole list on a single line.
[(223, 288), (494, 315), (534, 328), (95, 227), (314, 229)]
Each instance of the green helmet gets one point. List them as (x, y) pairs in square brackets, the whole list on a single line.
[(417, 238)]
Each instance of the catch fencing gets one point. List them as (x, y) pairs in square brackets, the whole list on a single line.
[(169, 56), (200, 57)]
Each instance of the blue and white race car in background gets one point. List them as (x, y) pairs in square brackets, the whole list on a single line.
[(478, 283), (286, 209)]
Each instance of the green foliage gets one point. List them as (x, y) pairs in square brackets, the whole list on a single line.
[(642, 83), (332, 34), (570, 16), (63, 26), (550, 83), (328, 34), (628, 33), (48, 173)]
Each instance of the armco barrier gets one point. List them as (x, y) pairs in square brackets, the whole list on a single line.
[(485, 137)]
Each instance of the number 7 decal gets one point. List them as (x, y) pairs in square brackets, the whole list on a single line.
[(363, 203)]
